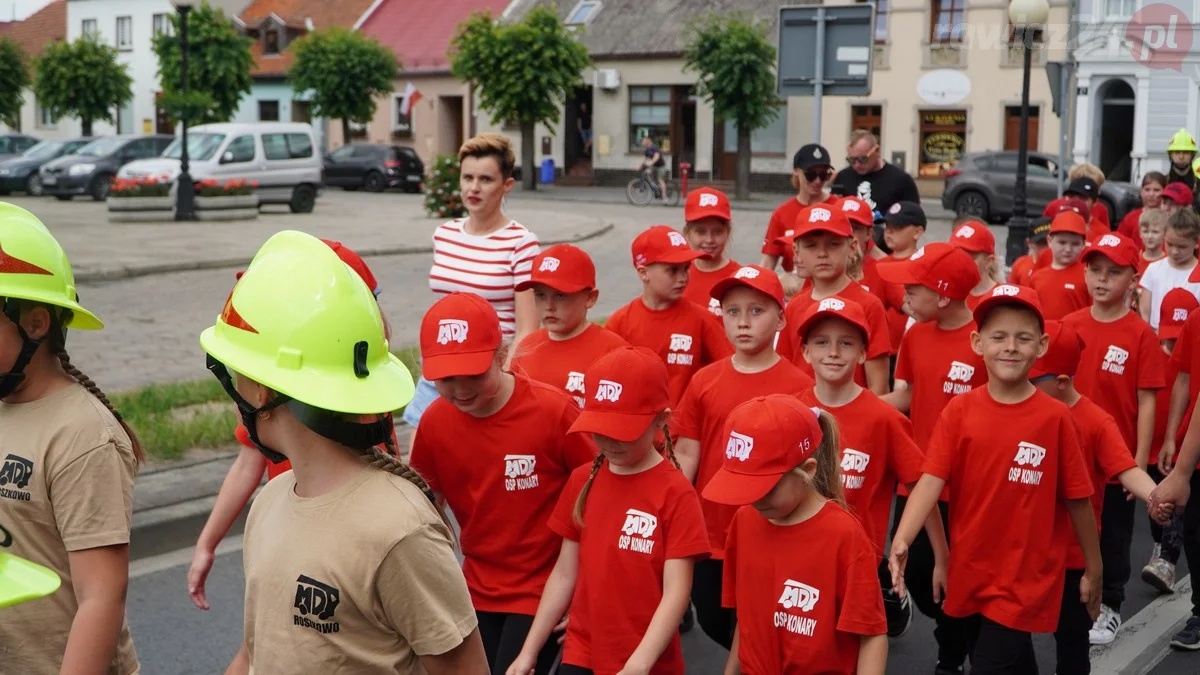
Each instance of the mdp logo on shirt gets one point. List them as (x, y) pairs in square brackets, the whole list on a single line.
[(452, 330), (1114, 360), (15, 472), (800, 597), (638, 531), (958, 380), (1029, 457), (680, 346), (317, 600), (854, 468), (519, 472)]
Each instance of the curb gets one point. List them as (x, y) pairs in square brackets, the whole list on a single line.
[(1144, 640), (121, 272)]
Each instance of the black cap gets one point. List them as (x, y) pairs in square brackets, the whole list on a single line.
[(903, 214), (811, 155), (1040, 230), (1084, 187)]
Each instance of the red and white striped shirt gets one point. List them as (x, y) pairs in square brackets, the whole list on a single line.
[(489, 265)]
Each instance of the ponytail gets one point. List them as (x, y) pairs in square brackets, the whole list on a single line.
[(587, 487), (828, 478), (60, 350), (389, 461), (670, 447)]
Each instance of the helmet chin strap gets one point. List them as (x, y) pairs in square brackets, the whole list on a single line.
[(10, 380)]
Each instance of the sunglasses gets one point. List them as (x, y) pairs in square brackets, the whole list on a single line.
[(812, 175), (858, 160)]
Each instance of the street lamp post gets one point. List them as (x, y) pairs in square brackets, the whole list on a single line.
[(185, 207), (1026, 17)]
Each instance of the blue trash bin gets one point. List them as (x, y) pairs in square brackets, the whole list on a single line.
[(547, 171)]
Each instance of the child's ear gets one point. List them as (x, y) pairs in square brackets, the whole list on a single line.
[(592, 297), (804, 351), (1063, 381), (1043, 345), (782, 323), (977, 343), (643, 275)]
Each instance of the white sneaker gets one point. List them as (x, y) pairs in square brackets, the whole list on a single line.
[(1107, 625)]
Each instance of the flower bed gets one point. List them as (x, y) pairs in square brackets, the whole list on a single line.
[(212, 187), (226, 200), (126, 188)]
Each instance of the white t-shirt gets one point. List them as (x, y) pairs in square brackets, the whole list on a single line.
[(1159, 278), (489, 265)]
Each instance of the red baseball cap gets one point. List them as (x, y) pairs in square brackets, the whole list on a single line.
[(768, 436), (841, 308), (1069, 222), (974, 237), (625, 389), (1117, 248), (1008, 294), (662, 244), (822, 218), (858, 211), (1076, 205), (706, 202), (1177, 306), (563, 267), (1178, 193), (352, 259), (459, 337), (947, 269), (1062, 356), (760, 279)]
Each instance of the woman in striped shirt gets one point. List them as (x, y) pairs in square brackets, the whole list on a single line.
[(486, 253)]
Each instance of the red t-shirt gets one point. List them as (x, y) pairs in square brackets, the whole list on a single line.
[(562, 363), (1021, 273), (1010, 467), (871, 279), (1119, 358), (789, 344), (714, 392), (893, 302), (632, 525), (877, 452), (782, 223), (501, 476), (1061, 291), (805, 594), (974, 300), (700, 285), (938, 366), (687, 338), (1162, 408), (1130, 228), (1106, 456), (1187, 358), (1097, 228), (1100, 213)]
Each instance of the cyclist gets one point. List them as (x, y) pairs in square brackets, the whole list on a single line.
[(655, 164)]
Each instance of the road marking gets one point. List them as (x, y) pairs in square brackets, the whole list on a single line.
[(183, 556), (1144, 640)]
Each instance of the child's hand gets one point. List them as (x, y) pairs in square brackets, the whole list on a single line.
[(634, 668), (523, 665), (561, 628), (1089, 594), (896, 564), (1166, 457), (939, 582), (202, 562)]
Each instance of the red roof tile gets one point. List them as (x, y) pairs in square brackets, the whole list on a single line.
[(40, 29), (420, 32), (296, 14)]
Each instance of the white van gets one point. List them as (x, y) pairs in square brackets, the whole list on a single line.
[(279, 156)]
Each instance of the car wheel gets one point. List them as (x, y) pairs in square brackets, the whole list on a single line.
[(304, 197), (63, 198), (33, 185), (373, 182), (99, 187), (971, 203)]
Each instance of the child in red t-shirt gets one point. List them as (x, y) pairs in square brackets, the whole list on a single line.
[(904, 225), (800, 570), (978, 241), (1061, 287), (685, 336), (631, 531), (752, 306), (563, 281), (706, 228), (1107, 458), (503, 482), (1121, 370), (823, 241), (1021, 272), (1152, 187), (862, 219), (1009, 454)]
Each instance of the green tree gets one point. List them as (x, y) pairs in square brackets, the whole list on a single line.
[(735, 64), (81, 79), (345, 71), (14, 78), (219, 65), (523, 72)]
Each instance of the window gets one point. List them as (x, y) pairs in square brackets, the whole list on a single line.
[(343, 153), (45, 120), (649, 115), (241, 149), (125, 119), (869, 117), (287, 146), (201, 146), (268, 111), (162, 24), (124, 32), (402, 125), (301, 111), (143, 148), (943, 135), (271, 41), (767, 140), (1119, 8), (949, 20), (90, 28), (1012, 127), (881, 20), (583, 12)]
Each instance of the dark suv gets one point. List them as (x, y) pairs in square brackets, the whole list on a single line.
[(91, 169), (374, 167)]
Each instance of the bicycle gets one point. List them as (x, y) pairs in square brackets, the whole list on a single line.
[(644, 189)]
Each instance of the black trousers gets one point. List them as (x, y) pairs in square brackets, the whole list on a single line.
[(1071, 636), (1116, 536), (1191, 536), (716, 621), (503, 637), (1169, 536), (951, 633), (567, 669), (999, 650)]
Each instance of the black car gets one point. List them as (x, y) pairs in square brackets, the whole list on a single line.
[(20, 173), (91, 169), (374, 167), (15, 144)]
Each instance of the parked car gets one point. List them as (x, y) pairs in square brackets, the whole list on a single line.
[(20, 173), (279, 156), (374, 167), (982, 184), (15, 144), (91, 169)]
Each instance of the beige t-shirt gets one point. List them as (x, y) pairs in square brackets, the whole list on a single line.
[(361, 580), (66, 484)]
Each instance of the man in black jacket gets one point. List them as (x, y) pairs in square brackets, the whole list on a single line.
[(873, 180)]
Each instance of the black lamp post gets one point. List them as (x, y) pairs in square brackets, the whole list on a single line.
[(1026, 16), (185, 206)]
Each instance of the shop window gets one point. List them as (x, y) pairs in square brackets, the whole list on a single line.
[(943, 137)]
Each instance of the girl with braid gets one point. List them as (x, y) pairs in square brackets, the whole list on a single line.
[(349, 568), (66, 477), (631, 528), (495, 446)]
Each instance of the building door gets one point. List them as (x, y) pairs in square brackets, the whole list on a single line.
[(869, 117), (1012, 127), (724, 151), (302, 111), (162, 123), (683, 127), (1114, 134), (578, 115), (450, 124)]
